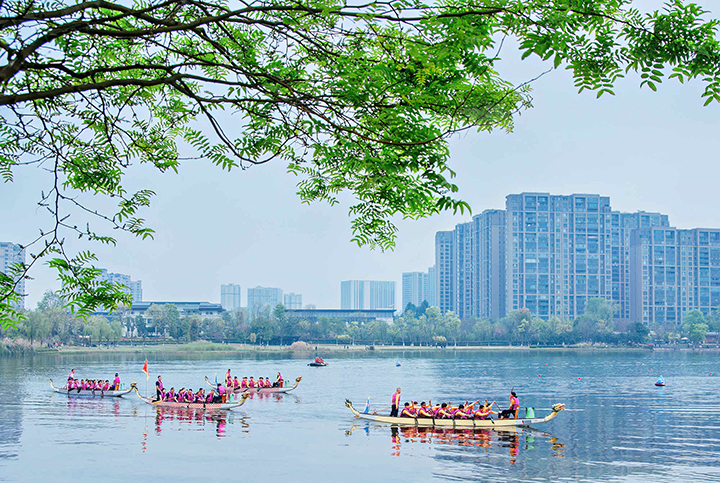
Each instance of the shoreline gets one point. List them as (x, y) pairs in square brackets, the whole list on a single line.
[(228, 349)]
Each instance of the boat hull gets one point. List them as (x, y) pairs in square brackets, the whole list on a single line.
[(456, 423), (269, 390), (200, 406), (317, 364), (90, 393), (263, 390)]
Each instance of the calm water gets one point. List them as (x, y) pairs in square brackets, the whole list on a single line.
[(619, 426)]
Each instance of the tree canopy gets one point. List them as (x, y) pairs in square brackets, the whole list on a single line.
[(357, 98)]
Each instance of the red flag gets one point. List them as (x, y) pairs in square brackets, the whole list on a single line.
[(145, 370)]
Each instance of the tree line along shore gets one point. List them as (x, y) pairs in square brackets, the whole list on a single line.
[(51, 327)]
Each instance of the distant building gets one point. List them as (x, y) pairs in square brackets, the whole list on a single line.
[(134, 287), (430, 288), (203, 309), (367, 294), (358, 315), (292, 300), (414, 288), (230, 296), (11, 254), (489, 265), (260, 296), (673, 271), (550, 254), (445, 271)]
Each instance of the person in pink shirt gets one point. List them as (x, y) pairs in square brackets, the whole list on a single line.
[(116, 383), (235, 383), (395, 403), (251, 382)]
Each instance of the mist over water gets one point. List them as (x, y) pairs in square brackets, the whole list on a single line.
[(618, 426)]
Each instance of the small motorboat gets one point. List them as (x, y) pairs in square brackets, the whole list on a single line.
[(318, 362), (660, 382)]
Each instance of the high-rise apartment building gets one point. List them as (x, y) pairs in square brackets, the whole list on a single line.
[(134, 287), (445, 282), (552, 253), (672, 272), (292, 300), (430, 287), (558, 252), (463, 245), (621, 228), (367, 294), (230, 296), (414, 288), (489, 270), (260, 296), (11, 254)]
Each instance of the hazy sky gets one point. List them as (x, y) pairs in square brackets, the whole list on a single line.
[(652, 151)]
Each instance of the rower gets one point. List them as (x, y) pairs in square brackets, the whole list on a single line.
[(221, 391), (251, 382), (443, 412), (116, 383), (407, 411), (228, 378), (244, 383), (423, 411), (235, 383), (484, 411)]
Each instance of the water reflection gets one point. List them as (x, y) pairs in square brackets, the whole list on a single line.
[(83, 406), (510, 441), (196, 419)]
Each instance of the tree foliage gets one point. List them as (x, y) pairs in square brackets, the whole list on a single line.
[(357, 98)]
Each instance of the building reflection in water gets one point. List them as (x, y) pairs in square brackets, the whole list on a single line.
[(512, 440)]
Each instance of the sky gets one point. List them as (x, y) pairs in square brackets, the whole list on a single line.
[(651, 151)]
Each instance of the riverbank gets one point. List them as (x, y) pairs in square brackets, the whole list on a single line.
[(22, 348), (310, 349)]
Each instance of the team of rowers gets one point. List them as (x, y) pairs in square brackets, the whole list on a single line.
[(92, 384), (474, 410), (251, 383), (447, 410)]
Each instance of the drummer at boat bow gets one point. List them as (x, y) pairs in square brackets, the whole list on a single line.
[(512, 411)]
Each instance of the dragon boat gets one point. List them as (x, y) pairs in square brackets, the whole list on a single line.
[(456, 423), (262, 390), (91, 392), (198, 405)]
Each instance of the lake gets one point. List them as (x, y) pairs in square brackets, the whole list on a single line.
[(617, 427)]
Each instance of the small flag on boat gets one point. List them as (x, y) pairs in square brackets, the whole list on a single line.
[(145, 370), (367, 406)]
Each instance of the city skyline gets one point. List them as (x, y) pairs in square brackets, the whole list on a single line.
[(638, 147)]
